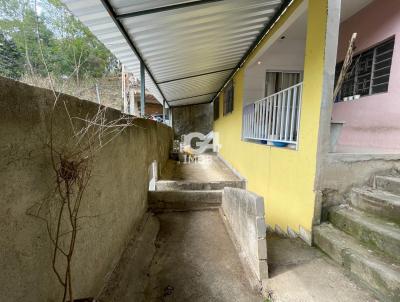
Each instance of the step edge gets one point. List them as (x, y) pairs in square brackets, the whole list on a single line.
[(372, 256), (350, 212)]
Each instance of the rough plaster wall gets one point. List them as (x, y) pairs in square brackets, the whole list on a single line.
[(342, 172), (194, 118), (285, 55), (117, 193)]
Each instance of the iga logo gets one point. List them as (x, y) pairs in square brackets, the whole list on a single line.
[(203, 143)]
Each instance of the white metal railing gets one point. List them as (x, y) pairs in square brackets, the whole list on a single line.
[(274, 118)]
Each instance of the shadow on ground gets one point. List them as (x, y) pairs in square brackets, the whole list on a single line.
[(196, 261), (300, 273)]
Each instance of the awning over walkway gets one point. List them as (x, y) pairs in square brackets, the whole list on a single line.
[(189, 48)]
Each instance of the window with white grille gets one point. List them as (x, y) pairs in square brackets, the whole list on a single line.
[(369, 72), (274, 119), (228, 98)]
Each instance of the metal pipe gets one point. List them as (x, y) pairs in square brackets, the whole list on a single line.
[(142, 89), (123, 31)]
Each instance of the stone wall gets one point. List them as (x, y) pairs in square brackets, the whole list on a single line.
[(113, 205), (194, 118), (243, 213)]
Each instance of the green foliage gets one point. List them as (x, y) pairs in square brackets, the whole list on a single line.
[(10, 58), (48, 33)]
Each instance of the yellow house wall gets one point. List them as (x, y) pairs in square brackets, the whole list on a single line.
[(285, 178)]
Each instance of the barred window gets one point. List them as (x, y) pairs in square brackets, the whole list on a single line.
[(216, 109), (228, 98), (369, 72)]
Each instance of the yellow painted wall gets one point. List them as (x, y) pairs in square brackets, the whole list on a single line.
[(285, 178)]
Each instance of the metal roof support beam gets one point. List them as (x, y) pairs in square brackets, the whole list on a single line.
[(267, 27), (163, 111), (164, 8), (191, 97), (194, 76), (142, 89), (186, 105), (121, 28)]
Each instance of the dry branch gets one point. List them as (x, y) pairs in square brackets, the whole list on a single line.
[(346, 64), (72, 163)]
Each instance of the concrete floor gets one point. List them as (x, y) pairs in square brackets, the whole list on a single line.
[(209, 168), (196, 261), (299, 273)]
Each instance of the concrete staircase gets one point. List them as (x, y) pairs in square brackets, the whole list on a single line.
[(173, 195), (364, 236)]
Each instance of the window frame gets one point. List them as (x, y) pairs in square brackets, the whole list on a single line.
[(216, 108), (353, 74), (300, 72), (229, 96)]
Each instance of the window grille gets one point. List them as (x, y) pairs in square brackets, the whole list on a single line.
[(228, 98), (216, 109), (369, 73), (275, 118)]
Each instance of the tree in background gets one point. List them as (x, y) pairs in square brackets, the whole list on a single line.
[(67, 48), (82, 53), (19, 22), (10, 58)]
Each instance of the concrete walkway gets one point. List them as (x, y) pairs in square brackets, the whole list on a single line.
[(299, 273), (210, 168), (196, 261)]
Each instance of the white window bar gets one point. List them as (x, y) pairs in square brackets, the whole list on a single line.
[(274, 118)]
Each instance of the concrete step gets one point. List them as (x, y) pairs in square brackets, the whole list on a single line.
[(376, 233), (389, 184), (184, 200), (172, 185), (378, 202), (375, 271)]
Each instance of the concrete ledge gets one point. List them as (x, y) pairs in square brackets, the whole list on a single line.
[(360, 157), (184, 200), (171, 185), (232, 169), (243, 213), (133, 265)]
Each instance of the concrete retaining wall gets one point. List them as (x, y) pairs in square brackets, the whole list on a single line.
[(244, 215), (117, 193), (341, 172), (194, 118)]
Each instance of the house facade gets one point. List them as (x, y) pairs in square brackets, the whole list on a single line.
[(277, 130), (285, 177), (256, 78), (371, 118)]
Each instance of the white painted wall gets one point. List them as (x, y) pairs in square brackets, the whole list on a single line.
[(283, 55)]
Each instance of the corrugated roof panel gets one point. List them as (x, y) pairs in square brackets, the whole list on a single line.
[(194, 86), (127, 6), (93, 14), (191, 101), (179, 45)]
